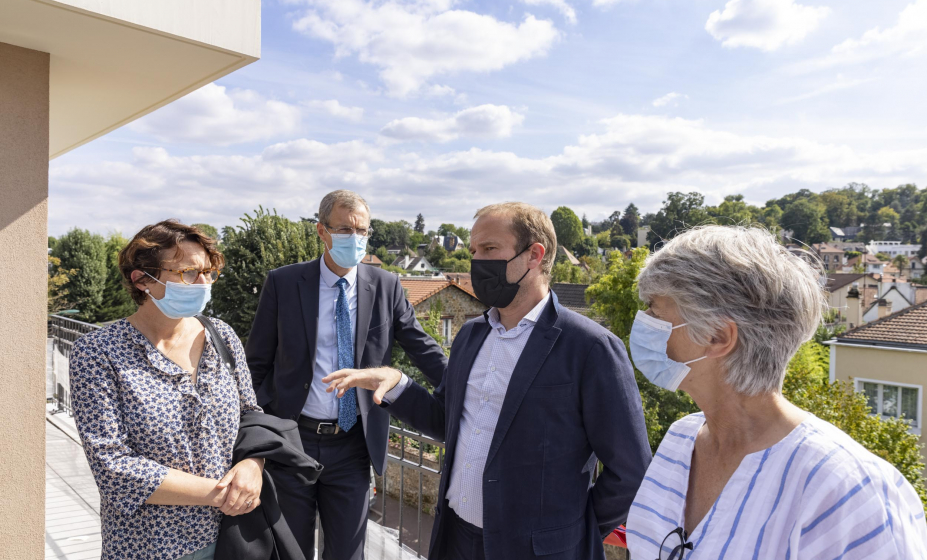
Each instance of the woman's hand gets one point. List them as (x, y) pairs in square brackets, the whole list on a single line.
[(243, 483)]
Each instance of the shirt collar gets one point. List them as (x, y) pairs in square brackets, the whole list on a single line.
[(530, 319), (330, 278)]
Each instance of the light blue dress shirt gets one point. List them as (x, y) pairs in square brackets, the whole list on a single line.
[(486, 387), (319, 404)]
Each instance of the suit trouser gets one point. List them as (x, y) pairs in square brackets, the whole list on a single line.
[(464, 540), (340, 496)]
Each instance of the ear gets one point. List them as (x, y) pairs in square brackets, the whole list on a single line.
[(536, 255), (139, 279), (724, 341)]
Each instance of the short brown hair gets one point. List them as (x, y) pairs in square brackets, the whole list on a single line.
[(530, 225), (344, 198), (146, 251)]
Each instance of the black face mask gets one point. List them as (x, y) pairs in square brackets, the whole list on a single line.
[(490, 282)]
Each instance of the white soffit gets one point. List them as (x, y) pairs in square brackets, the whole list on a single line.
[(113, 61)]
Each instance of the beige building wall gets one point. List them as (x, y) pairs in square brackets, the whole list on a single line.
[(24, 84), (879, 364)]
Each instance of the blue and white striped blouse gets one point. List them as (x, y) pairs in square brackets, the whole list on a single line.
[(817, 494)]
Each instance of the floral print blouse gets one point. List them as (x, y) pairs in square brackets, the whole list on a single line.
[(140, 414)]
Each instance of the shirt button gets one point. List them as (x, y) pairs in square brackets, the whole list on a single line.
[(306, 386), (464, 500), (468, 465), (493, 368), (476, 431), (485, 399)]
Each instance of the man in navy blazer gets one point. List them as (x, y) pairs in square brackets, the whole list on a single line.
[(315, 318), (534, 397)]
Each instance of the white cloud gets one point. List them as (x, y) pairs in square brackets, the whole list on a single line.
[(560, 5), (216, 116), (837, 85), (413, 41), (763, 24), (671, 98), (635, 158), (336, 109), (907, 38), (487, 121), (606, 3)]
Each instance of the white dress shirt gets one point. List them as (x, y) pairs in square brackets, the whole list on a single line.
[(486, 388), (319, 404)]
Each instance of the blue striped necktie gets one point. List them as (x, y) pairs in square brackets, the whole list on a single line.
[(347, 406)]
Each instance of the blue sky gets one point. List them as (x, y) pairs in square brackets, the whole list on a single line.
[(440, 107)]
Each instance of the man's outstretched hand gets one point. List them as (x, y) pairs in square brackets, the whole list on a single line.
[(379, 380)]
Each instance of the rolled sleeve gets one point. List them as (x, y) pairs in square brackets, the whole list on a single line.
[(125, 479)]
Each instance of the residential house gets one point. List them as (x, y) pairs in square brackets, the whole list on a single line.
[(642, 233), (834, 258), (838, 287), (372, 260), (564, 254), (887, 359), (893, 249), (871, 264), (572, 296), (897, 296), (414, 264), (457, 301), (845, 233), (395, 249), (450, 243), (462, 278)]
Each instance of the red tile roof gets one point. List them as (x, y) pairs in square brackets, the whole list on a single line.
[(420, 289), (906, 328), (372, 260)]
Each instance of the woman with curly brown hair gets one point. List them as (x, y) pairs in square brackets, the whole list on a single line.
[(158, 408)]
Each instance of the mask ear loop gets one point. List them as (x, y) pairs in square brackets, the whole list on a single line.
[(690, 361)]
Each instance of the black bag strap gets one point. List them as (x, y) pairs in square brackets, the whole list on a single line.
[(219, 342)]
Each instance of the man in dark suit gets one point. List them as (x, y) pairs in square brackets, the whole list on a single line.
[(315, 318), (533, 397)]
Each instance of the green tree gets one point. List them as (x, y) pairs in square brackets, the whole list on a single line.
[(432, 326), (117, 303), (680, 211), (588, 247), (437, 256), (807, 221), (262, 243), (567, 226), (806, 385), (384, 257), (922, 252), (585, 222), (734, 211), (84, 252), (567, 273), (208, 230), (614, 297), (420, 224), (58, 278), (630, 220)]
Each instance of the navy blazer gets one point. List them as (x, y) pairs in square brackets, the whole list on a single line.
[(572, 399), (281, 346)]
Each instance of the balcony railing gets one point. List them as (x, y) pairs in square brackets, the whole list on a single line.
[(63, 332)]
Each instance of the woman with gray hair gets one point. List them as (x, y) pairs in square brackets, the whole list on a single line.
[(752, 475)]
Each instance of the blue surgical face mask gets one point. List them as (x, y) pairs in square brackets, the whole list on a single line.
[(649, 336), (347, 250), (182, 300)]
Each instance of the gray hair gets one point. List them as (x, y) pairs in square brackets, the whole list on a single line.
[(716, 274), (344, 198)]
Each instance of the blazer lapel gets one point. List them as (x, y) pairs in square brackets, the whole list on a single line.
[(542, 339), (309, 300)]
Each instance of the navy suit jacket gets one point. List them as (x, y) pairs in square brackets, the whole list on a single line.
[(572, 399), (281, 346)]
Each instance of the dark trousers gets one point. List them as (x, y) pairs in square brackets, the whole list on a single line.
[(464, 541), (340, 496)]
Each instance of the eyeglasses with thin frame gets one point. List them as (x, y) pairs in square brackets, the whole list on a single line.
[(678, 545), (361, 232), (191, 274)]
